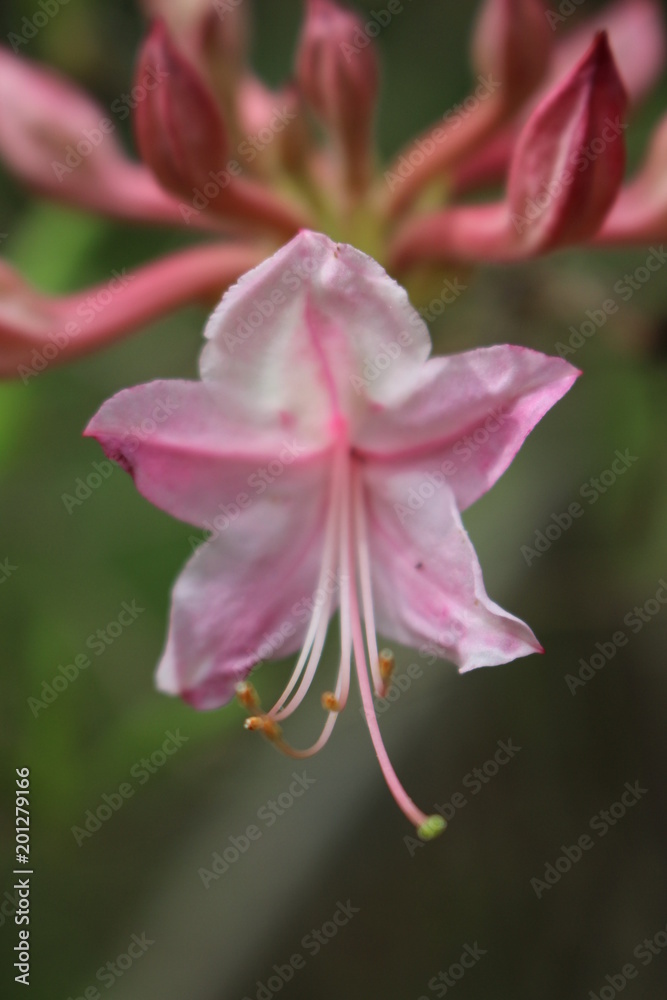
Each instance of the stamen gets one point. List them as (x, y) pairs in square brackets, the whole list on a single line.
[(387, 663), (366, 587), (313, 646), (264, 725), (339, 697)]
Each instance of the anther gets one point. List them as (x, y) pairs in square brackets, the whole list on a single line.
[(265, 725), (386, 662), (247, 695), (330, 702)]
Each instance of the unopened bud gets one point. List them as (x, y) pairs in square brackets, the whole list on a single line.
[(179, 129), (569, 161), (337, 72), (513, 43)]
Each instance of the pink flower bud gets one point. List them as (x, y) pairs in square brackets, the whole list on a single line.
[(179, 129), (569, 161), (65, 145), (220, 48), (636, 30), (566, 172), (513, 42), (337, 72)]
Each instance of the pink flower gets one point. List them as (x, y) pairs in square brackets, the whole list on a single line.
[(225, 157), (331, 458)]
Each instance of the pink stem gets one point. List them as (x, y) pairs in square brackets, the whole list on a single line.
[(469, 233), (440, 149), (198, 274)]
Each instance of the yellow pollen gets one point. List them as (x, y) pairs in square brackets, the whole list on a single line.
[(387, 662), (330, 702), (247, 695), (265, 725)]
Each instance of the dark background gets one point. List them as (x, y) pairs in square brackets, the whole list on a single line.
[(343, 839)]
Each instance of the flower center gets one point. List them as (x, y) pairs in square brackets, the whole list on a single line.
[(346, 555)]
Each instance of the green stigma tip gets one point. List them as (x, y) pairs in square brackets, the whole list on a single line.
[(431, 828)]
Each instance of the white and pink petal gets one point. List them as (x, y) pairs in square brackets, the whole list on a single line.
[(297, 332), (244, 597), (468, 416), (427, 582), (192, 457)]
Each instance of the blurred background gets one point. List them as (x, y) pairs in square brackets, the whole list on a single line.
[(333, 896)]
